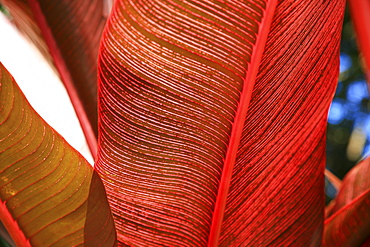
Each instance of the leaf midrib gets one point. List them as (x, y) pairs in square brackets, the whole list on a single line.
[(65, 76), (238, 124)]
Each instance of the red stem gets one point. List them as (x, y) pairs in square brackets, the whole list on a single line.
[(65, 76), (237, 127), (334, 180)]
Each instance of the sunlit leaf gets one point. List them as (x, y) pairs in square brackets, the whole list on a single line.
[(68, 34), (49, 193), (212, 120)]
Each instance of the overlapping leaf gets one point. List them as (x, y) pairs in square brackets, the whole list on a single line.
[(68, 34), (212, 120), (350, 223), (49, 194), (354, 184)]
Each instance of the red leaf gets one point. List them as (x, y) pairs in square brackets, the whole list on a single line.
[(329, 208), (354, 184), (350, 223), (68, 34), (213, 119), (366, 243), (350, 226), (49, 194), (360, 14)]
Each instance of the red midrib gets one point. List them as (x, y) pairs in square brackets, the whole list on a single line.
[(238, 124), (65, 76), (12, 227)]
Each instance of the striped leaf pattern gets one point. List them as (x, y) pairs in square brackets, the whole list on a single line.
[(68, 33), (50, 195), (349, 224), (212, 120)]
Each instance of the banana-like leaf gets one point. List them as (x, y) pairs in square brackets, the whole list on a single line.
[(49, 194), (350, 223), (68, 34), (212, 120)]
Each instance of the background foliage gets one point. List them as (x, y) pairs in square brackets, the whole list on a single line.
[(348, 133)]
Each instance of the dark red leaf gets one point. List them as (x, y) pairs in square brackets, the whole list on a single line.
[(349, 224), (212, 120), (49, 194), (68, 33), (366, 243), (354, 184), (329, 208)]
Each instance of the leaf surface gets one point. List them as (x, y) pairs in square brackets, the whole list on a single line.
[(212, 120), (354, 184), (349, 224), (68, 34), (360, 14), (49, 194)]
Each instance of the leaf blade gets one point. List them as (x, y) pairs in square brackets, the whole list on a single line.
[(283, 140), (237, 129), (354, 184), (170, 82), (360, 16), (45, 185), (68, 34), (349, 223)]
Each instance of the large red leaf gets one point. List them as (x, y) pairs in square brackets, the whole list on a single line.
[(68, 33), (350, 223), (49, 194), (212, 120)]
